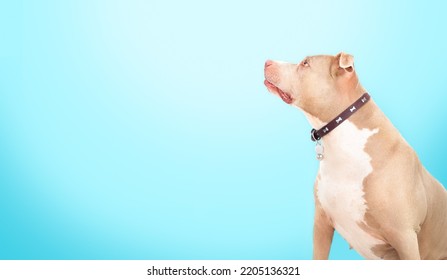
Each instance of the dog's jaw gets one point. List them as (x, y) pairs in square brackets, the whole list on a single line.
[(276, 90)]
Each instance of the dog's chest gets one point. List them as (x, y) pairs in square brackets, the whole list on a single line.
[(340, 186)]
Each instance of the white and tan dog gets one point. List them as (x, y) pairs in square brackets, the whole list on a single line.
[(371, 186)]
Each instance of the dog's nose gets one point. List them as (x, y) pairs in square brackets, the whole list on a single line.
[(268, 63)]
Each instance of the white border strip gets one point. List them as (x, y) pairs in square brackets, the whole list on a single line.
[(111, 270)]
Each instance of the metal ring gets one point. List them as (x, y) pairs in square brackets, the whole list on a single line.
[(313, 135)]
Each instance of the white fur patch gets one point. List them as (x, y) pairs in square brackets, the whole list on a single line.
[(340, 188)]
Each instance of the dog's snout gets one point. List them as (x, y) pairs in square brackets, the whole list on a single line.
[(268, 63)]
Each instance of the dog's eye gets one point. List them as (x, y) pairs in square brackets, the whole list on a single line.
[(305, 63)]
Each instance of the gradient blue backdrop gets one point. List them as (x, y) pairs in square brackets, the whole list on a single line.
[(142, 129)]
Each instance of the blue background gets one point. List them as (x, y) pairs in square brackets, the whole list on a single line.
[(142, 129)]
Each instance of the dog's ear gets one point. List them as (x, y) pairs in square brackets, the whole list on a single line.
[(345, 62)]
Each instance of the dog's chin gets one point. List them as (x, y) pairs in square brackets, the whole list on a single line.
[(275, 90)]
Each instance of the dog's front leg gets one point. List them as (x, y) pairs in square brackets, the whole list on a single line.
[(323, 234), (406, 244)]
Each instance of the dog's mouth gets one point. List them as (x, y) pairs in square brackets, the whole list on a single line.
[(276, 90)]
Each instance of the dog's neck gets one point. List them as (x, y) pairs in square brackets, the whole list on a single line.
[(361, 125), (349, 97)]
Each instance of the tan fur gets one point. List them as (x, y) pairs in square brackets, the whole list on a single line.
[(406, 206)]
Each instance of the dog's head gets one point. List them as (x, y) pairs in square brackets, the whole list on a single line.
[(321, 85)]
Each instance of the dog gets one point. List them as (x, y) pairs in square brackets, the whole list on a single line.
[(371, 186)]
